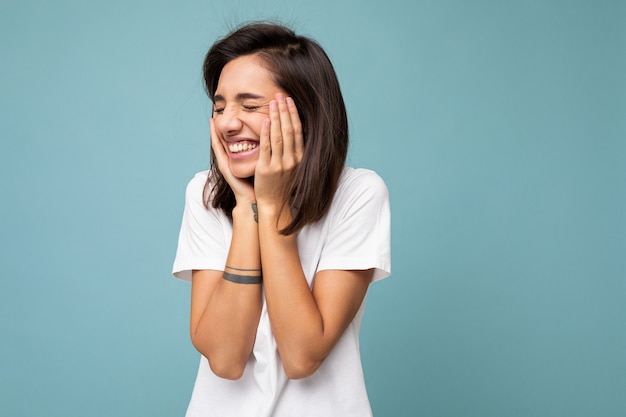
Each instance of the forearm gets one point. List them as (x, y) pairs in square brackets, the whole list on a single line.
[(296, 321), (226, 329)]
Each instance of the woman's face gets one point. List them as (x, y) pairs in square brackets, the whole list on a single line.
[(241, 104)]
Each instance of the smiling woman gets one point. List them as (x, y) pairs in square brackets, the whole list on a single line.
[(241, 104), (279, 238)]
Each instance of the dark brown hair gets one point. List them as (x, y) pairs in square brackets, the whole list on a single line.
[(303, 70)]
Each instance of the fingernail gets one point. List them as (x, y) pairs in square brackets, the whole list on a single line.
[(273, 105), (280, 97), (289, 101)]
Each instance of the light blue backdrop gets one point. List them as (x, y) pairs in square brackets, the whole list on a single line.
[(499, 127)]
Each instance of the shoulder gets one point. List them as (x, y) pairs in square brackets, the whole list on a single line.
[(359, 190), (195, 207), (198, 181), (195, 186), (361, 180)]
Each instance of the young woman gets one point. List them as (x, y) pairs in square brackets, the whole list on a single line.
[(278, 238)]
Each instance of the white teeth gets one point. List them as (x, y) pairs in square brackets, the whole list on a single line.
[(240, 147)]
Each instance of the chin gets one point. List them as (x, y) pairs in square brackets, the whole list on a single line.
[(243, 174), (245, 177)]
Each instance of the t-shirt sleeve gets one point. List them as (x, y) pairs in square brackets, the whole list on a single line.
[(360, 229), (201, 242)]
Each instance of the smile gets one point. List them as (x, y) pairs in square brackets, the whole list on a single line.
[(242, 146)]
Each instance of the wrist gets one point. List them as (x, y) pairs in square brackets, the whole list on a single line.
[(271, 206), (278, 216), (246, 212)]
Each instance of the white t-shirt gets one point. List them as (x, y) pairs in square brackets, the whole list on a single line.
[(354, 234)]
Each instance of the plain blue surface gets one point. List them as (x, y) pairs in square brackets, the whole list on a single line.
[(499, 128)]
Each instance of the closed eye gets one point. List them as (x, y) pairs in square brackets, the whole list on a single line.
[(250, 108)]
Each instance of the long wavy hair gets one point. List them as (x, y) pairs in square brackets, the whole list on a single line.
[(303, 70)]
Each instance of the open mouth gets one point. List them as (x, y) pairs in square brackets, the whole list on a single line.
[(242, 146)]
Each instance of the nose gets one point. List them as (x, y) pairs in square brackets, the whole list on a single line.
[(228, 122)]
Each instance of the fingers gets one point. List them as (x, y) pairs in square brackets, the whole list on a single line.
[(280, 150), (265, 148), (286, 129), (276, 133), (297, 129), (286, 139), (244, 192), (219, 149), (218, 146)]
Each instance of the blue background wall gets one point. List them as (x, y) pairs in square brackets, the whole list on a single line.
[(499, 127)]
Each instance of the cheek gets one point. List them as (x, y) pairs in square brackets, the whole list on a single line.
[(256, 121)]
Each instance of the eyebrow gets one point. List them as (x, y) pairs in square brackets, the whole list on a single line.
[(239, 97)]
